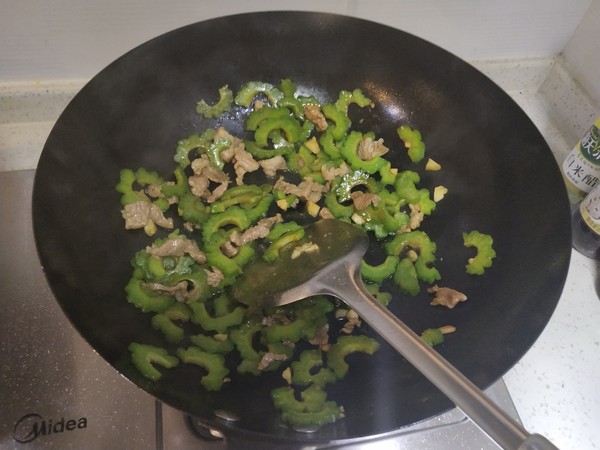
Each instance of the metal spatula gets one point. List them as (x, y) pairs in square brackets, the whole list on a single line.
[(334, 269)]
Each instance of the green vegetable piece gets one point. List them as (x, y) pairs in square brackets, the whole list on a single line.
[(328, 145), (405, 186), (293, 103), (242, 337), (230, 267), (192, 209), (251, 89), (340, 120), (287, 87), (485, 252), (312, 410), (155, 268), (258, 116), (145, 299), (214, 364), (219, 343), (406, 277), (291, 128), (343, 188), (180, 188), (357, 97), (219, 324), (338, 210), (125, 187), (144, 357), (312, 399), (233, 215), (381, 271), (216, 258), (284, 398), (294, 234), (303, 370), (343, 347), (418, 241), (282, 228), (432, 336), (426, 203), (266, 153), (328, 414), (349, 152), (381, 222), (146, 178), (314, 309), (151, 267), (214, 152), (245, 195), (222, 105), (413, 142), (161, 269), (301, 161), (383, 297), (223, 304), (261, 208), (165, 322), (289, 332), (194, 141), (387, 176)]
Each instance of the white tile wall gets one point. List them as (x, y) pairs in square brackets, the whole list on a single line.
[(582, 52), (75, 39)]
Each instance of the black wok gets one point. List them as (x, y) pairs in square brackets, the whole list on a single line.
[(501, 176)]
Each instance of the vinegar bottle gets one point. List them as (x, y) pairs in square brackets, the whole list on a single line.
[(585, 224), (581, 167)]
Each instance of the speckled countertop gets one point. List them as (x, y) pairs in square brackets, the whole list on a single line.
[(554, 387)]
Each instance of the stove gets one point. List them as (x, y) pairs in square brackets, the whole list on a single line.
[(58, 393)]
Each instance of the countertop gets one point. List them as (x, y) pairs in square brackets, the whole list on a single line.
[(554, 387)]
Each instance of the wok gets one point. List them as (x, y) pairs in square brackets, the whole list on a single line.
[(501, 176)]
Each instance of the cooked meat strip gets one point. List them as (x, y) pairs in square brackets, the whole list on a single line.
[(258, 231), (268, 358), (271, 165), (324, 213), (446, 296), (307, 190), (178, 247), (179, 291), (369, 149), (139, 214), (363, 199), (329, 173), (243, 162), (321, 338), (215, 276), (313, 114), (416, 216), (204, 174)]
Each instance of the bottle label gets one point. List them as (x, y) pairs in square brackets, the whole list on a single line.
[(590, 145), (582, 165), (590, 210)]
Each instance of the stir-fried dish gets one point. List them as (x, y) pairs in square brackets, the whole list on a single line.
[(233, 199)]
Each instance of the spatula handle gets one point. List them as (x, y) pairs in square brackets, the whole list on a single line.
[(495, 422)]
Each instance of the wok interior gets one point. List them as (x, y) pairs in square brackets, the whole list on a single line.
[(501, 176)]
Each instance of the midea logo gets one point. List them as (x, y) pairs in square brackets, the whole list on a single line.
[(31, 426)]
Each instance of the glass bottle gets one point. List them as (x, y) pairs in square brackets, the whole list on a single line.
[(585, 224), (581, 167)]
